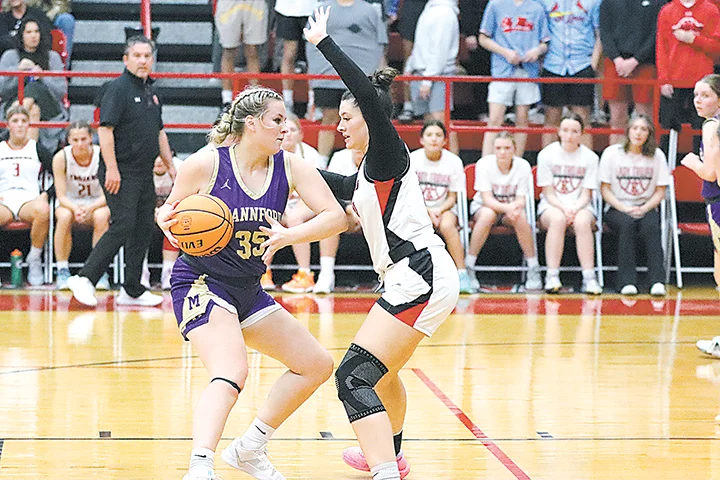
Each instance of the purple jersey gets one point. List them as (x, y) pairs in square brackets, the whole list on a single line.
[(710, 190), (242, 257)]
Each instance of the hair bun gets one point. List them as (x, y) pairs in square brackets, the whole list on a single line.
[(383, 78)]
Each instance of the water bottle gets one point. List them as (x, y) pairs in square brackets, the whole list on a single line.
[(16, 277)]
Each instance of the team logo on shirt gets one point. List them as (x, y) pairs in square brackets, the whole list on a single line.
[(634, 181), (521, 24), (568, 16), (434, 185), (504, 193), (567, 178)]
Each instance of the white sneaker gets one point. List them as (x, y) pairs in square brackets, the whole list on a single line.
[(145, 278), (591, 287), (147, 299), (103, 283), (629, 290), (552, 284), (534, 280), (189, 476), (35, 272), (253, 462), (710, 347), (325, 283), (658, 290), (83, 290)]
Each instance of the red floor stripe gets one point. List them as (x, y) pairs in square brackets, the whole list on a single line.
[(489, 444)]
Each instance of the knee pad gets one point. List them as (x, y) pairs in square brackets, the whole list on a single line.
[(229, 382), (355, 379)]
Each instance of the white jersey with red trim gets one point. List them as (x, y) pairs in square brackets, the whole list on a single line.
[(82, 181), (393, 218), (20, 169)]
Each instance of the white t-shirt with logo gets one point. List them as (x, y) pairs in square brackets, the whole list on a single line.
[(504, 187), (343, 163), (438, 178), (568, 174), (633, 178)]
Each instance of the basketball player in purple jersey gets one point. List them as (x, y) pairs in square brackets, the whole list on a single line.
[(219, 304), (707, 167), (420, 278)]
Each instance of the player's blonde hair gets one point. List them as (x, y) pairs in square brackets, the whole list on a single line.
[(251, 101)]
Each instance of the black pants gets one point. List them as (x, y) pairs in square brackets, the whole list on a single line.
[(132, 215), (645, 229)]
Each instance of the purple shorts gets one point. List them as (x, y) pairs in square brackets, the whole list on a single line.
[(194, 295), (713, 218)]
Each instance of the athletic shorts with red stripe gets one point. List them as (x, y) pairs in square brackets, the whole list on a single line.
[(422, 289)]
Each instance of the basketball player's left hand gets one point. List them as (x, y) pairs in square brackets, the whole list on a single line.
[(278, 238)]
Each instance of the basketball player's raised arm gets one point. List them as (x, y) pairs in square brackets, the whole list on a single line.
[(387, 156)]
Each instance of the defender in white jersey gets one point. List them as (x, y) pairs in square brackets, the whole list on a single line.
[(20, 197), (421, 281), (80, 198)]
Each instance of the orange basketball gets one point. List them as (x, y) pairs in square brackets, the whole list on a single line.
[(204, 225)]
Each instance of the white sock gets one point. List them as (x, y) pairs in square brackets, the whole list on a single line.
[(226, 96), (288, 97), (306, 271), (61, 265), (470, 260), (202, 462), (588, 275), (257, 435), (385, 471), (327, 265), (34, 254), (532, 262), (553, 272), (311, 98)]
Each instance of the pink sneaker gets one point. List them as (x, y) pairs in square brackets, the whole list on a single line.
[(354, 457)]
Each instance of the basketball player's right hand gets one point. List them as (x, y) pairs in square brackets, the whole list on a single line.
[(166, 219), (318, 25), (278, 238), (112, 181)]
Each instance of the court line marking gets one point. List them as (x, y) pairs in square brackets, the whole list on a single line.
[(342, 439), (474, 429), (2, 443)]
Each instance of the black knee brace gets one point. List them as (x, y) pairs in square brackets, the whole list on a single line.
[(355, 380), (230, 382)]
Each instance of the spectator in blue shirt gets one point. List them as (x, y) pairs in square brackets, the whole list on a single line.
[(574, 52), (516, 33)]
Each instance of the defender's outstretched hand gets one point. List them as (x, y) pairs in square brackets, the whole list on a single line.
[(318, 25)]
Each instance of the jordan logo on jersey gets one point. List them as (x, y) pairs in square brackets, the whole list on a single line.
[(226, 184)]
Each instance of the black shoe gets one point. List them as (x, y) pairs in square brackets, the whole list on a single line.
[(406, 116)]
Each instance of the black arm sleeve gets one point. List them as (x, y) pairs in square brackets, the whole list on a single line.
[(340, 185), (387, 157)]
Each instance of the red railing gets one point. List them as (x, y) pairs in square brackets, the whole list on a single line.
[(146, 18), (239, 78)]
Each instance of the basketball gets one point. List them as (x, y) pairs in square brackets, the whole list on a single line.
[(204, 225)]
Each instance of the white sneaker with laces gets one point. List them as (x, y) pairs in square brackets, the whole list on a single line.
[(83, 290), (552, 284), (710, 347), (658, 290), (629, 290), (591, 287), (35, 272), (325, 283), (253, 462), (147, 299)]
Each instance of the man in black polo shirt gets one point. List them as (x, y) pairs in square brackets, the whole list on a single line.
[(131, 137)]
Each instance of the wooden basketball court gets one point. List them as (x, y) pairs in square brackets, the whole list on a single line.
[(511, 387)]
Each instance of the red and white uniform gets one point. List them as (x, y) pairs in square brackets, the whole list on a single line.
[(83, 186), (19, 175)]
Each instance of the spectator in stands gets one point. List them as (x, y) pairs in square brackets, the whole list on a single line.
[(501, 192), (442, 176), (407, 20), (21, 161), (240, 22), (434, 53), (567, 174), (360, 32), (80, 198), (629, 50), (14, 12), (688, 36), (58, 11), (291, 17), (633, 179), (516, 33), (296, 212), (477, 61), (43, 93), (574, 52), (131, 135)]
